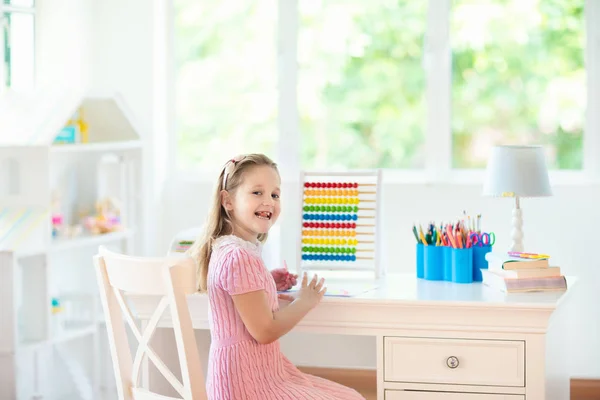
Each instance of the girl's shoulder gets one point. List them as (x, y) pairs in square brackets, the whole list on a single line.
[(231, 244)]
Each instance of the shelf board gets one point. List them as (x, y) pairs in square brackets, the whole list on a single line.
[(96, 147), (90, 240), (31, 252), (32, 344), (65, 335), (68, 334)]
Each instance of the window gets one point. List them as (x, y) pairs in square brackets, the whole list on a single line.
[(361, 84), (418, 85), (518, 77), (17, 50), (226, 80)]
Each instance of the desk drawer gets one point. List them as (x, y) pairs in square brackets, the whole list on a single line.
[(454, 361), (402, 395)]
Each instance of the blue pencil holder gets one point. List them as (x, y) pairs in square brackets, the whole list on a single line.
[(433, 263), (462, 265), (420, 262), (479, 261), (447, 263)]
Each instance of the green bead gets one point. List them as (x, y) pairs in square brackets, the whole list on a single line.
[(355, 208)]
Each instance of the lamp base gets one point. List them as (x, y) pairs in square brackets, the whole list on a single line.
[(516, 233)]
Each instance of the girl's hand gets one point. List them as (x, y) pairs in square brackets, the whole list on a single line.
[(283, 279), (286, 297), (311, 292)]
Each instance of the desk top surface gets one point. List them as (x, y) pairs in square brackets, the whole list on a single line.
[(396, 288)]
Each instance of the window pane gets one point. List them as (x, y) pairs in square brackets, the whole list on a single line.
[(226, 80), (518, 78), (18, 33), (361, 83), (20, 3)]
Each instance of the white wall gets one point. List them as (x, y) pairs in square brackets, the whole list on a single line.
[(565, 225), (129, 57), (63, 42), (126, 53)]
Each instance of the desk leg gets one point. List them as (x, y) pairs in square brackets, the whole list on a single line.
[(380, 391)]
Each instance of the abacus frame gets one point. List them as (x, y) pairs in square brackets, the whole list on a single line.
[(376, 266)]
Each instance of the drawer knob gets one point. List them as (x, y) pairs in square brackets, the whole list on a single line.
[(452, 362)]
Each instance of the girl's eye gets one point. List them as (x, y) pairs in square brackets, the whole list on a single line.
[(257, 193), (275, 196)]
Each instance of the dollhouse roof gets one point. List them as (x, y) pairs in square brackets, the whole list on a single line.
[(35, 119)]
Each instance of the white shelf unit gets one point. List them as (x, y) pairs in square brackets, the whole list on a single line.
[(56, 355)]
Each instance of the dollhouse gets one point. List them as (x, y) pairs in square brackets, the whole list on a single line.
[(70, 180)]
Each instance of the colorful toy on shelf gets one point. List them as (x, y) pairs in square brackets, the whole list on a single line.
[(57, 223), (74, 131), (56, 306), (340, 221), (107, 218)]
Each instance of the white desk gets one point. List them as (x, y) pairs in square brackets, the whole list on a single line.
[(438, 337)]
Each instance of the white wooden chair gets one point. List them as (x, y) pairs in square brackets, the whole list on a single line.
[(171, 279)]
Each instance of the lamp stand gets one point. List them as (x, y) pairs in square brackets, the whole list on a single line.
[(516, 233)]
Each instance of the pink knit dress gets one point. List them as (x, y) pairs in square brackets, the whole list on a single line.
[(239, 367)]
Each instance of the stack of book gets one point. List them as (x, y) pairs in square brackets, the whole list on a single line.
[(183, 246), (522, 272)]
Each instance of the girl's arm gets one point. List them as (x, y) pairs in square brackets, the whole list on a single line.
[(266, 326)]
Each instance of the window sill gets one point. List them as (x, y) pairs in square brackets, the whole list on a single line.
[(421, 177), (476, 177)]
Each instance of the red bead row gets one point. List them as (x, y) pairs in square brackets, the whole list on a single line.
[(330, 225), (330, 185)]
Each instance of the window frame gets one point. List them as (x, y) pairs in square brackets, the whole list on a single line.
[(8, 8), (437, 62)]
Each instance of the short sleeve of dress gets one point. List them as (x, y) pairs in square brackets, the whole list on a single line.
[(242, 272)]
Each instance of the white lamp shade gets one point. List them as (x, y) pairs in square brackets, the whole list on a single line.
[(517, 171)]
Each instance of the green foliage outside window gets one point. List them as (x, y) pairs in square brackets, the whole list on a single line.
[(518, 76)]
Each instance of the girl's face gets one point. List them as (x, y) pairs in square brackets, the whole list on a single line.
[(254, 205)]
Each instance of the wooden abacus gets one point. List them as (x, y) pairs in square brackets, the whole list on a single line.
[(340, 222)]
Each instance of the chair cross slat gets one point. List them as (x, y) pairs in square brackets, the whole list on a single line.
[(127, 314), (170, 280), (144, 349)]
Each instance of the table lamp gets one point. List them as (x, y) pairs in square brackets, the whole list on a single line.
[(517, 171)]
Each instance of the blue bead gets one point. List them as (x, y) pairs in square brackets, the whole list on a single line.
[(354, 217)]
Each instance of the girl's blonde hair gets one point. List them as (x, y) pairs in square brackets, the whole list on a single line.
[(218, 222)]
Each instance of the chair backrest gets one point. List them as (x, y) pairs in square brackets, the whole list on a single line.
[(171, 279)]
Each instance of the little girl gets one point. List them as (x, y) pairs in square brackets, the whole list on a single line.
[(245, 361)]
